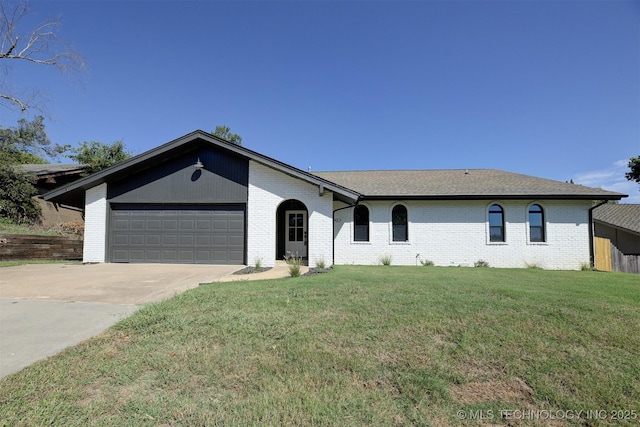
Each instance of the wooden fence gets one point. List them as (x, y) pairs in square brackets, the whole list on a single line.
[(24, 247), (609, 258)]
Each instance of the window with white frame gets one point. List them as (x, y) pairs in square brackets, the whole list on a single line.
[(399, 222), (536, 224), (361, 224), (496, 224)]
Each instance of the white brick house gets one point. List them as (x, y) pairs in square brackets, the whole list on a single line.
[(199, 199)]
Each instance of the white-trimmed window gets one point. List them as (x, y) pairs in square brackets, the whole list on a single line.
[(400, 223), (360, 224), (496, 223), (536, 224)]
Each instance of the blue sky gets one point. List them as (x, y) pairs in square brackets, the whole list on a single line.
[(544, 88)]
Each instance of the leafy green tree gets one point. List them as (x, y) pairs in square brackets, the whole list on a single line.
[(98, 155), (634, 169), (27, 143), (224, 132)]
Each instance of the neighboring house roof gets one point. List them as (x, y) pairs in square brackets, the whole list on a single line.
[(45, 170), (50, 176), (73, 193), (461, 184), (623, 216)]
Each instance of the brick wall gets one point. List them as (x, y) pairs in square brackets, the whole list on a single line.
[(95, 224), (267, 189), (456, 233)]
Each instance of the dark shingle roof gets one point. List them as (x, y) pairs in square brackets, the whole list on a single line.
[(626, 216), (460, 183), (52, 169)]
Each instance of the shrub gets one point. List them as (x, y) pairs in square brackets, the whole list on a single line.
[(532, 266), (426, 263), (320, 263), (586, 266), (385, 259), (294, 262), (481, 263), (257, 262)]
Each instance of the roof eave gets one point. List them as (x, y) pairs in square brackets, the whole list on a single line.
[(497, 197), (608, 224)]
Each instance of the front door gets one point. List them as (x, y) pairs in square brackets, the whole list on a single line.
[(296, 233)]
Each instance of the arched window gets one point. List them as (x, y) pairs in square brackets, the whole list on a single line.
[(536, 224), (361, 224), (400, 223), (496, 223)]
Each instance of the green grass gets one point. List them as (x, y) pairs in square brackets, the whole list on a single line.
[(358, 346)]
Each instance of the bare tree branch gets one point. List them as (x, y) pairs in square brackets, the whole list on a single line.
[(39, 46), (23, 107)]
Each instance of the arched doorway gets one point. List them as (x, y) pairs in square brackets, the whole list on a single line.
[(292, 218)]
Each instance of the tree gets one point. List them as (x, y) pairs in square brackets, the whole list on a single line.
[(26, 143), (39, 46), (634, 170), (224, 132), (98, 155), (16, 196)]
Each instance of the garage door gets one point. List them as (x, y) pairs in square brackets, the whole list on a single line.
[(183, 235)]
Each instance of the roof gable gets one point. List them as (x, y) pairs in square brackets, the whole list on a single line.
[(175, 148)]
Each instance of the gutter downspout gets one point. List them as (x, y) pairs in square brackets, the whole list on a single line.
[(592, 256), (333, 245)]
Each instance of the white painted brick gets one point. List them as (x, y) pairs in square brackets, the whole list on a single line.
[(95, 224), (267, 189), (456, 233)]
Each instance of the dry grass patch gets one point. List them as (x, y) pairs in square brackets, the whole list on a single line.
[(515, 391)]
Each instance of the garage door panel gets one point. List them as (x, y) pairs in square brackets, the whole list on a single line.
[(154, 240), (121, 224), (170, 224), (186, 225), (204, 240), (220, 240), (148, 234), (236, 241), (186, 240), (169, 240), (236, 225), (203, 224), (136, 240), (121, 239)]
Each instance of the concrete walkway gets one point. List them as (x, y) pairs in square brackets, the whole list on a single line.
[(45, 308)]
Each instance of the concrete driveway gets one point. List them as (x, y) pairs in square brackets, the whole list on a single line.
[(45, 308)]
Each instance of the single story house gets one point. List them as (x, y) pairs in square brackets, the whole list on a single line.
[(200, 199), (620, 224)]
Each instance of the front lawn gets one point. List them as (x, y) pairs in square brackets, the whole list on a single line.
[(358, 346)]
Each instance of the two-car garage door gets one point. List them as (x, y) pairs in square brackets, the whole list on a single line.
[(212, 234)]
